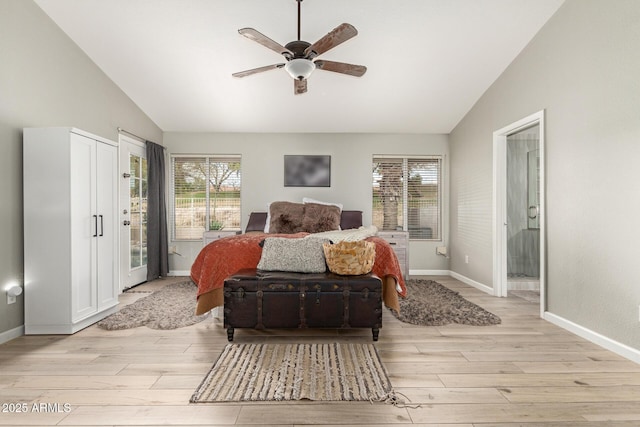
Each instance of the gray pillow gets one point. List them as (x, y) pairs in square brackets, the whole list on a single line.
[(296, 255)]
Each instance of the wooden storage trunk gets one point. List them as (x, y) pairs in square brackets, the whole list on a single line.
[(259, 299)]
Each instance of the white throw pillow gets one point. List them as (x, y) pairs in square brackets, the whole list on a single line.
[(266, 225), (319, 202)]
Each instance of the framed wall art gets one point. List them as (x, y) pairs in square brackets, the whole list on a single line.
[(307, 171)]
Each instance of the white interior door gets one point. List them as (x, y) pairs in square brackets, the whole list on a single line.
[(133, 212), (500, 205)]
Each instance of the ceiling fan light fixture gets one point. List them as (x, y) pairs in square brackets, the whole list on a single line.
[(300, 55), (300, 68)]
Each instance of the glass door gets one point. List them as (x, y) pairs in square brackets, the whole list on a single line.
[(138, 212), (533, 188), (133, 210)]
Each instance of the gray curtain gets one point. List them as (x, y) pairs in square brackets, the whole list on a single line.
[(157, 238)]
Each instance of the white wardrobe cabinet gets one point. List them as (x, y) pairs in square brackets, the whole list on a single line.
[(70, 229)]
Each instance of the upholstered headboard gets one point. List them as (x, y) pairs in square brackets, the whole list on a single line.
[(348, 219)]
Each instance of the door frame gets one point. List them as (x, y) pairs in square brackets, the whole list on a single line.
[(127, 144), (500, 205)]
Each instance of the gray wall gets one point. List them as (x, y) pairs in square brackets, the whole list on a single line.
[(46, 80), (351, 159), (582, 68)]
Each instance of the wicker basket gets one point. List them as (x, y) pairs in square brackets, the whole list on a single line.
[(350, 258)]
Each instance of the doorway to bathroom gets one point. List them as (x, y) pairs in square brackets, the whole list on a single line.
[(523, 213), (519, 221)]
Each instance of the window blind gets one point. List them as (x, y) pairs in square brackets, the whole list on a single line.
[(206, 194), (407, 195)]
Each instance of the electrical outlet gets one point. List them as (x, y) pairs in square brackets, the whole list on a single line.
[(466, 259), (13, 290)]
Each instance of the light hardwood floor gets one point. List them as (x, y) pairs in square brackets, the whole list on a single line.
[(524, 372)]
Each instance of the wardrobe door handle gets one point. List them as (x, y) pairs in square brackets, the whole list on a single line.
[(95, 220), (101, 225)]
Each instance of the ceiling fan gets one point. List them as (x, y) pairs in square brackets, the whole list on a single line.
[(300, 55)]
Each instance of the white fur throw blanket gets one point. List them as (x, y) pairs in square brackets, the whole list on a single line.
[(351, 235)]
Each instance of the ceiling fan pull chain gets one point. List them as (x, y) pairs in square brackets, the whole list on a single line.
[(299, 3)]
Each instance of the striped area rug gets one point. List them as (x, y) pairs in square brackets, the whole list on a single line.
[(277, 372)]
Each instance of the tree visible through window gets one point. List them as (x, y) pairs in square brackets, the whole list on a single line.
[(407, 195), (206, 195)]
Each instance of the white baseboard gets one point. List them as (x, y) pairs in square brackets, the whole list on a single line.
[(180, 273), (429, 273), (11, 334), (463, 279), (596, 338), (471, 282)]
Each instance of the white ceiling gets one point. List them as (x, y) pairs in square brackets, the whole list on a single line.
[(428, 60)]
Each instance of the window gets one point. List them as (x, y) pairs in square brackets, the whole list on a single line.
[(138, 184), (407, 195), (206, 194)]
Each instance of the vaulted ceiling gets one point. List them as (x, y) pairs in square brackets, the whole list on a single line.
[(428, 61)]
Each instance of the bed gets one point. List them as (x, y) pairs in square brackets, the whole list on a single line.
[(224, 257)]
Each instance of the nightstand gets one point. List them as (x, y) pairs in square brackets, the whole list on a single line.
[(212, 235), (399, 241)]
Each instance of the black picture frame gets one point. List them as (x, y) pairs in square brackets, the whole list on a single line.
[(307, 171)]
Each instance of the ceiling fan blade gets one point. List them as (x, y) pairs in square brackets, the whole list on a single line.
[(341, 67), (299, 86), (257, 70), (340, 34), (257, 36)]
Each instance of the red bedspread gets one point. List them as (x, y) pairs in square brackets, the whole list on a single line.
[(223, 257)]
